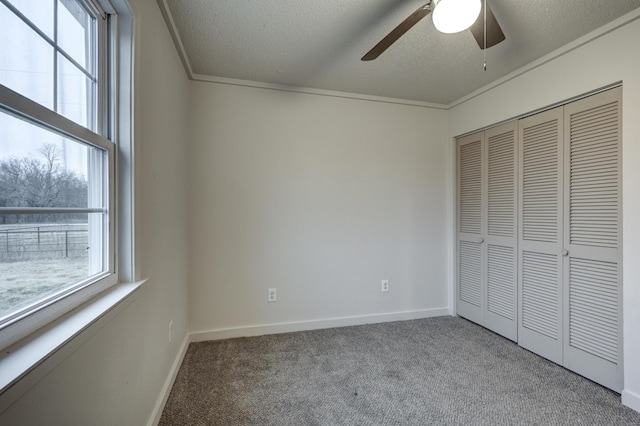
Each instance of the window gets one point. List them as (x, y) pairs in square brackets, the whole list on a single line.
[(59, 124)]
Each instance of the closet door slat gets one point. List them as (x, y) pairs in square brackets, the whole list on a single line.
[(470, 196)]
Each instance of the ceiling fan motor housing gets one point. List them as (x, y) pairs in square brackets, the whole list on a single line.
[(453, 16)]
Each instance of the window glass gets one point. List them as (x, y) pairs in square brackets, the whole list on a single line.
[(39, 168), (39, 12), (59, 72), (26, 59), (75, 93), (42, 256), (75, 32), (43, 253)]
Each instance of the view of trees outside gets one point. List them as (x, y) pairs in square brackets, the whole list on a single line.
[(43, 182)]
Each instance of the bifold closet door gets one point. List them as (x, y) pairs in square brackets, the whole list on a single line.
[(471, 266), (592, 238), (540, 234), (570, 295), (501, 312), (487, 255)]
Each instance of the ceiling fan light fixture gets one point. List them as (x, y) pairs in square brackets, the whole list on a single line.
[(453, 16)]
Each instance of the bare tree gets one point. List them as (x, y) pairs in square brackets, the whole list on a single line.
[(30, 182)]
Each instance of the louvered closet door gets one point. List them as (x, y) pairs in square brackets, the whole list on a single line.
[(471, 220), (592, 267), (540, 234), (501, 313)]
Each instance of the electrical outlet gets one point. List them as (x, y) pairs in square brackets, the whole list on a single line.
[(385, 285), (271, 295), (170, 331)]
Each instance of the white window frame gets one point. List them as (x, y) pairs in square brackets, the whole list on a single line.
[(116, 140)]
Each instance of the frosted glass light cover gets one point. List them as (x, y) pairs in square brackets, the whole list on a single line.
[(453, 16)]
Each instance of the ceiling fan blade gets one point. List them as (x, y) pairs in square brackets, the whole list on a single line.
[(494, 32), (397, 32)]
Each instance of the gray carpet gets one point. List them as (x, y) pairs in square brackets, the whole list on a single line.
[(436, 371)]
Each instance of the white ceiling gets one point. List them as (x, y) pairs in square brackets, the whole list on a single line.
[(318, 44)]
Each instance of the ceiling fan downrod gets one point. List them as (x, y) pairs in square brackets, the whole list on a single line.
[(485, 34)]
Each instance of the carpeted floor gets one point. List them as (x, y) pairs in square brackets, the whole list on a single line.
[(436, 371)]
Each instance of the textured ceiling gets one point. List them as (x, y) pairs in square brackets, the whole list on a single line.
[(318, 43)]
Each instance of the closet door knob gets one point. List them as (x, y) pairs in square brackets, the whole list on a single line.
[(565, 252), (481, 240)]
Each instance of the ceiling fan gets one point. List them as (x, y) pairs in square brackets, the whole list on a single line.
[(449, 16)]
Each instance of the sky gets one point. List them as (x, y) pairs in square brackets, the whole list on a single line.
[(27, 67)]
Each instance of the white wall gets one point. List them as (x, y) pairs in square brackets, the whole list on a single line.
[(610, 58), (320, 197), (116, 376)]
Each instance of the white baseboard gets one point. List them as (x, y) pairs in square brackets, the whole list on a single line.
[(168, 384), (286, 327), (631, 400)]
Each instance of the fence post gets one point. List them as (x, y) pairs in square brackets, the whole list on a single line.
[(38, 228), (66, 243)]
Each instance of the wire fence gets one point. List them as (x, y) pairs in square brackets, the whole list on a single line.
[(43, 241)]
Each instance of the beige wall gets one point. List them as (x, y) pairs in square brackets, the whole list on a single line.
[(608, 59), (318, 196), (116, 376)]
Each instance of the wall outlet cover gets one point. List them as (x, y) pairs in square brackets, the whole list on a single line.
[(271, 295)]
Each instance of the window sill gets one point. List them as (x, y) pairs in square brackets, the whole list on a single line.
[(25, 363)]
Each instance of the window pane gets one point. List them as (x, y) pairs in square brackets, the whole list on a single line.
[(75, 93), (26, 60), (40, 13), (41, 255), (75, 35), (39, 168)]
